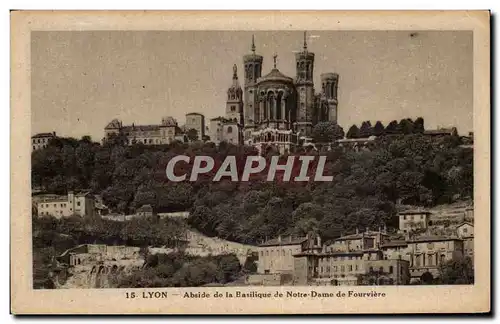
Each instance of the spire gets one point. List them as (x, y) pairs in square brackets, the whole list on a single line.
[(305, 41), (235, 72), (253, 44), (275, 56)]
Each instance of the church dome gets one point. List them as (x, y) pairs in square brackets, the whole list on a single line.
[(114, 124), (275, 75), (168, 121)]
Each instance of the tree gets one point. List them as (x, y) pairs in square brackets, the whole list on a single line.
[(192, 134), (427, 278), (353, 132), (378, 129), (418, 126), (366, 129), (405, 126), (327, 132), (457, 271), (392, 128)]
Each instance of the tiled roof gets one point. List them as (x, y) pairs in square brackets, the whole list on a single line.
[(359, 235), (414, 211), (440, 131), (39, 135), (141, 128), (433, 238), (395, 243), (284, 241)]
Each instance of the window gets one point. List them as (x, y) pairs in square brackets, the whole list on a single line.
[(267, 253), (334, 268), (78, 203), (61, 205), (34, 147), (321, 269), (371, 269), (261, 253), (465, 230), (283, 253), (381, 269), (350, 267), (391, 269), (229, 130), (233, 108), (429, 259), (342, 268), (356, 267)]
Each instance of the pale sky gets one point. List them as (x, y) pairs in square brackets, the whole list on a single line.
[(83, 80)]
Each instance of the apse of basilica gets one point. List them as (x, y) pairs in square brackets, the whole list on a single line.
[(276, 109)]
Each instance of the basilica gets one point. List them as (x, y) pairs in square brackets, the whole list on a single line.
[(275, 109)]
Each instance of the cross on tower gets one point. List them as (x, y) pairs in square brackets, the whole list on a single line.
[(275, 56)]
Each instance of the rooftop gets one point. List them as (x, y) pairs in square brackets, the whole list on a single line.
[(275, 75), (40, 135), (284, 241)]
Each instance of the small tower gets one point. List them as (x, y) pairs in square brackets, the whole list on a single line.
[(253, 71), (305, 88), (234, 103), (329, 85)]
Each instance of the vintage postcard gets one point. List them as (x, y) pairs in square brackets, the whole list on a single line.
[(250, 162)]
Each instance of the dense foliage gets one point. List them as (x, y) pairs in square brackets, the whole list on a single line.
[(62, 234), (367, 183), (181, 270)]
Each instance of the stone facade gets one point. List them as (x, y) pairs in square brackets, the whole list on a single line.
[(277, 110), (196, 121), (41, 140), (81, 204), (164, 133), (413, 220), (370, 257)]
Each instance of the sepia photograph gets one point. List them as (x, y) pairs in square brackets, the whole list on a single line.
[(296, 162)]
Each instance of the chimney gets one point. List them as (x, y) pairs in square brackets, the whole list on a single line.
[(290, 238), (279, 238), (357, 230), (54, 133)]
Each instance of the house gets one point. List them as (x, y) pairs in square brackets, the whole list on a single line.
[(412, 220), (81, 204), (145, 211), (41, 140), (465, 231)]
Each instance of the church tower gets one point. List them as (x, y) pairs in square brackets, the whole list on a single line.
[(234, 103), (305, 88), (329, 85), (253, 71)]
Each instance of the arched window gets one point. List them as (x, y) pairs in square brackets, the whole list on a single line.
[(229, 130), (391, 269)]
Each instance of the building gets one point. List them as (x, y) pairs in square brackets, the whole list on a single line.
[(275, 109), (367, 258), (145, 211), (81, 204), (277, 255), (41, 140), (196, 121), (427, 253), (452, 131), (412, 220), (164, 133), (230, 127), (355, 259), (465, 231)]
